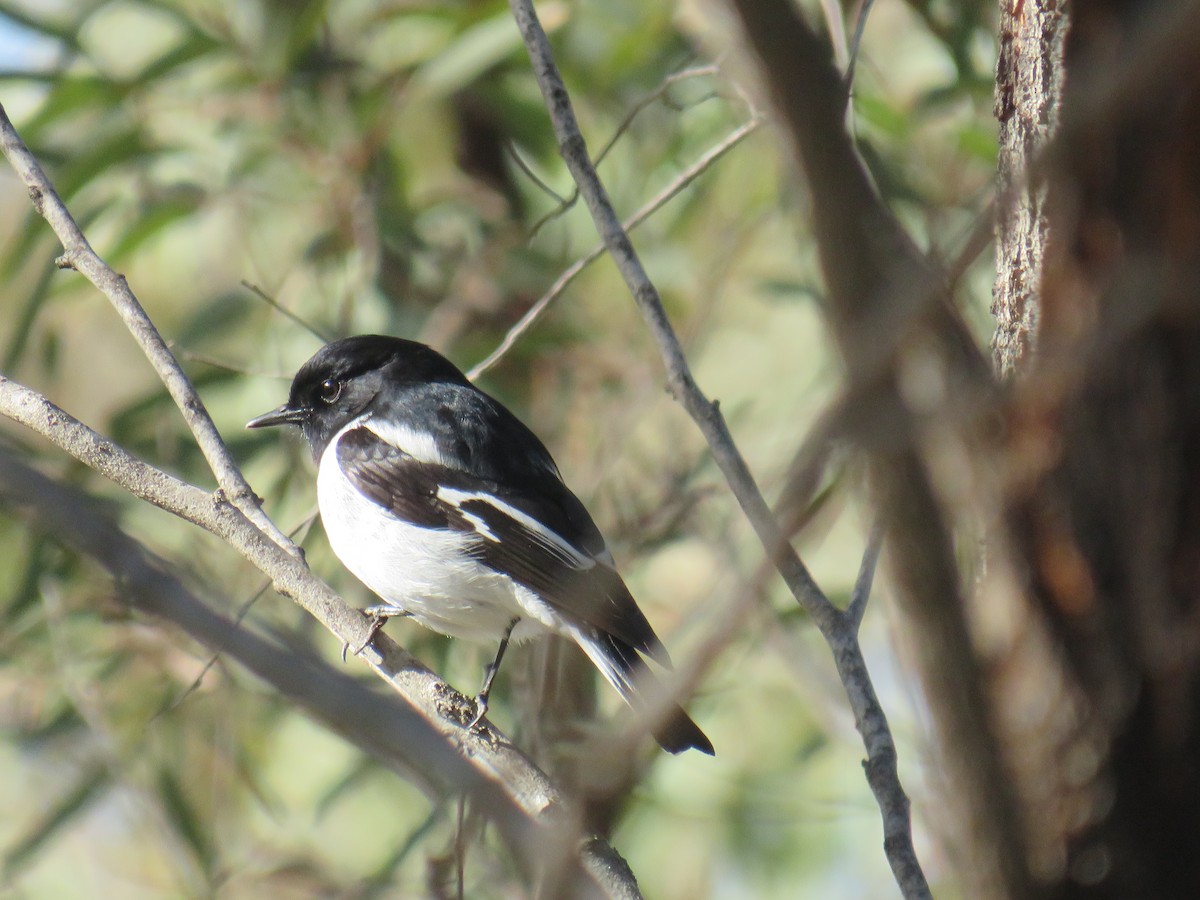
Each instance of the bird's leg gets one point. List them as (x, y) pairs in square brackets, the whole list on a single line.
[(489, 676), (379, 616)]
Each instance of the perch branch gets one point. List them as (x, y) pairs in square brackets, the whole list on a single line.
[(439, 706), (381, 725)]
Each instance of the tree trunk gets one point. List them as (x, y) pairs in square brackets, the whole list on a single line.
[(1103, 501), (1028, 90)]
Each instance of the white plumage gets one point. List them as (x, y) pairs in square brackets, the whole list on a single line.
[(450, 510), (428, 573)]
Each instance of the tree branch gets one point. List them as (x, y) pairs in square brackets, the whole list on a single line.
[(836, 627), (866, 575), (212, 512), (379, 724), (442, 709), (672, 190), (889, 307), (82, 258)]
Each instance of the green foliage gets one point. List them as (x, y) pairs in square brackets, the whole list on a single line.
[(357, 162)]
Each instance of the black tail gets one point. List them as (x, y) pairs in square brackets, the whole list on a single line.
[(624, 668), (680, 733)]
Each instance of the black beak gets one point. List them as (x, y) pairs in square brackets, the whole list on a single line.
[(285, 415)]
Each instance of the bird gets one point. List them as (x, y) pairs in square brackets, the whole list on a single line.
[(453, 512)]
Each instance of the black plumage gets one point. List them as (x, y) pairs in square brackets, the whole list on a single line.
[(437, 474)]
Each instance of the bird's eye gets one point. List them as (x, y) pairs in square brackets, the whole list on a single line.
[(330, 390)]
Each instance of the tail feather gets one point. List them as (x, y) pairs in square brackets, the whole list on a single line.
[(679, 733), (623, 667)]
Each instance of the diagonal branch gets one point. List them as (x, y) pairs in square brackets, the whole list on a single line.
[(672, 190), (234, 514), (490, 754), (679, 378), (866, 576), (381, 725), (82, 258), (880, 283), (566, 203), (836, 627)]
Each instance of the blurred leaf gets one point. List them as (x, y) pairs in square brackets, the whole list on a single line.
[(36, 76), (152, 427), (102, 157), (380, 882), (66, 723), (88, 788), (37, 556), (22, 323), (66, 32), (891, 177), (223, 314), (979, 142), (306, 19), (362, 769), (789, 290), (473, 53), (886, 117), (396, 43), (194, 46), (70, 94), (182, 816), (155, 218), (250, 774)]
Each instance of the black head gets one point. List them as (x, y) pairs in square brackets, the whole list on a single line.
[(344, 377)]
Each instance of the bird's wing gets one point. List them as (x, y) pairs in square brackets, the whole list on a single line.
[(542, 538)]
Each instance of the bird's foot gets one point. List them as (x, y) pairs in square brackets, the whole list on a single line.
[(489, 677), (379, 616)]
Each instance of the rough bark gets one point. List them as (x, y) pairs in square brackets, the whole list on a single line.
[(1104, 506), (1028, 90)]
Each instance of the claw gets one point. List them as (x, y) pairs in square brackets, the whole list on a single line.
[(481, 699), (481, 708), (378, 619)]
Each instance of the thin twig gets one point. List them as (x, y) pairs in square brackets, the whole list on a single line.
[(876, 278), (285, 312), (835, 627), (225, 365), (866, 576), (685, 178), (665, 85), (538, 181), (82, 258), (860, 25), (707, 70)]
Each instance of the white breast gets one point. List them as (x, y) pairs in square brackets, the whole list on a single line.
[(427, 572)]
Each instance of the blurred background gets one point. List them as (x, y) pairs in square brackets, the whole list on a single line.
[(271, 174)]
